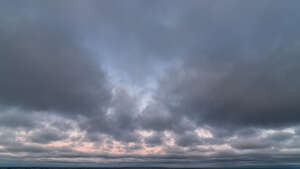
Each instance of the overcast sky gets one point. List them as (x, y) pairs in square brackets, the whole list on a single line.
[(150, 82)]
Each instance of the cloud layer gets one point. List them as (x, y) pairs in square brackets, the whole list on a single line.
[(141, 83)]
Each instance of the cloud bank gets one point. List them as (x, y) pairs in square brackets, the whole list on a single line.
[(139, 83)]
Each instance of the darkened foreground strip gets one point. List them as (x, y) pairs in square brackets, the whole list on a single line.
[(258, 167)]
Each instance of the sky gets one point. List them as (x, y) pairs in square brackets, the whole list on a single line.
[(150, 83)]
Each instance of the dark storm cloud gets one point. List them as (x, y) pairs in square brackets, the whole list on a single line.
[(243, 74), (43, 68)]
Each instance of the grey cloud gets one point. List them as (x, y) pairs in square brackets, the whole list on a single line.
[(124, 32), (132, 148), (46, 68), (11, 144), (272, 141), (240, 77), (155, 139), (297, 130), (174, 150), (280, 136), (248, 132), (10, 118), (119, 121), (26, 149), (44, 136), (250, 144), (188, 139), (158, 117)]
